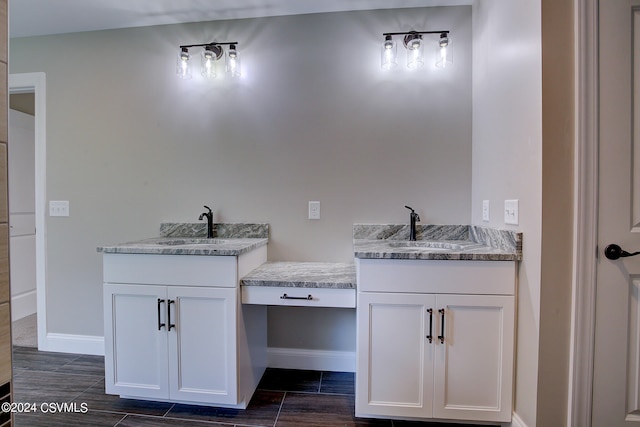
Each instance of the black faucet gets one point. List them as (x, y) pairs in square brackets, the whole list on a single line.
[(413, 217), (209, 216)]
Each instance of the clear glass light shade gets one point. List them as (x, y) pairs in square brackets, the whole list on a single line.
[(389, 54), (444, 53), (415, 53), (233, 61), (182, 64), (208, 64)]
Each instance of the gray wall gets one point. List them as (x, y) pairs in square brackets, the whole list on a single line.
[(507, 158), (312, 118)]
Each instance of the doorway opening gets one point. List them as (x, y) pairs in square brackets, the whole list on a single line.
[(23, 218), (22, 221)]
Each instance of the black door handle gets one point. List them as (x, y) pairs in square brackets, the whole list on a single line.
[(441, 336), (170, 325), (430, 336), (614, 252), (160, 325)]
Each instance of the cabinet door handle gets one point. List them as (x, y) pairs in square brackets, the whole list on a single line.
[(160, 325), (441, 336), (171, 325), (430, 336), (308, 297)]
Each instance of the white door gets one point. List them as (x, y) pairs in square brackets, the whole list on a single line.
[(396, 340), (135, 331), (202, 344), (616, 386), (22, 214), (474, 359)]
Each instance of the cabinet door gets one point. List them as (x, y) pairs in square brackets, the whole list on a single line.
[(202, 345), (135, 344), (394, 367), (474, 366)]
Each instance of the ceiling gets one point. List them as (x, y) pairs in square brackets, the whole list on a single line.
[(44, 17)]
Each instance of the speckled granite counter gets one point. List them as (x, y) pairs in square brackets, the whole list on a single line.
[(436, 242), (186, 246), (303, 275), (231, 239)]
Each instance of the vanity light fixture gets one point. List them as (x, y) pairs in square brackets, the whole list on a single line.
[(211, 53), (414, 43)]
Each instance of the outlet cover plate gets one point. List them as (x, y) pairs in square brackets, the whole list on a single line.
[(314, 210), (511, 212), (485, 211)]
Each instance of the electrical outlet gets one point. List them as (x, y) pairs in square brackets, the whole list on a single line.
[(511, 212), (314, 210), (485, 211), (58, 208)]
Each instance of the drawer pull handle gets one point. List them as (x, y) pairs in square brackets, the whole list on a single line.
[(441, 336), (308, 297), (160, 325), (430, 336)]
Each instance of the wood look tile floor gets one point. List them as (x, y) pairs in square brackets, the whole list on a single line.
[(284, 398)]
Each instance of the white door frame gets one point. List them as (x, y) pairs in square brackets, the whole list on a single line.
[(35, 82), (585, 213)]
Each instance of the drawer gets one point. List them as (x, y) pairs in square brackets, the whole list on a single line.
[(178, 270), (437, 276), (301, 297)]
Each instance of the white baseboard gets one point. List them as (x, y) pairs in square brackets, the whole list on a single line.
[(316, 360), (23, 305), (516, 421), (78, 344)]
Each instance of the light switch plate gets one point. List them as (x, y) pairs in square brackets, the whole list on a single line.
[(58, 208), (511, 212), (314, 210), (485, 211)]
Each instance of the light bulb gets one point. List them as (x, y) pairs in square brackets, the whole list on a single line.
[(444, 53), (207, 63), (233, 61), (182, 64), (389, 58), (415, 50)]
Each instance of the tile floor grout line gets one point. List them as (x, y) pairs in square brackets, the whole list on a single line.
[(308, 392), (84, 391), (121, 420), (188, 420), (76, 397), (173, 405), (284, 396)]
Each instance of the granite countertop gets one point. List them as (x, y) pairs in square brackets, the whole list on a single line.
[(303, 275), (231, 239), (186, 246), (437, 242)]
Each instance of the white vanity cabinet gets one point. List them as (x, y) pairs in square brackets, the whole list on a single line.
[(435, 339), (175, 329)]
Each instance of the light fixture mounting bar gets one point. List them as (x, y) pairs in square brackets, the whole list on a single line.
[(416, 32), (207, 44)]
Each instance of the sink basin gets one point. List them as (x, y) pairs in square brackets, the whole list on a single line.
[(431, 245), (193, 241)]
